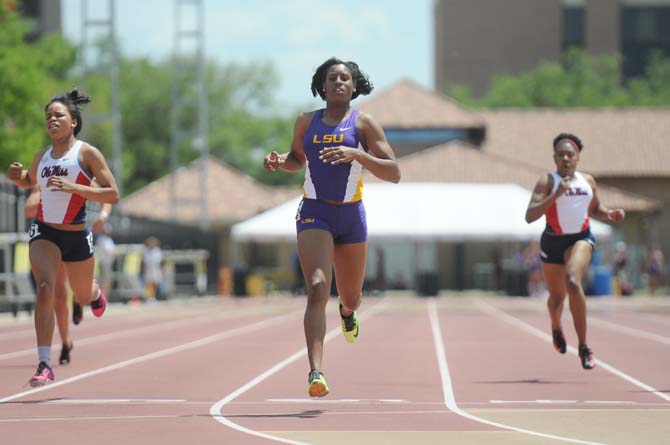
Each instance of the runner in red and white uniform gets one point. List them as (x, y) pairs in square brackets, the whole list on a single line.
[(64, 173), (568, 199), (570, 212), (61, 309)]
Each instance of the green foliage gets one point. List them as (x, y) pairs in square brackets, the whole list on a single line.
[(652, 90), (30, 73), (243, 123), (145, 121), (242, 128), (579, 81)]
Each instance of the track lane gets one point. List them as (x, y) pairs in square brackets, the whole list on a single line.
[(388, 381)]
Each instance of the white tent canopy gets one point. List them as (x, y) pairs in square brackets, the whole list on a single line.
[(424, 212)]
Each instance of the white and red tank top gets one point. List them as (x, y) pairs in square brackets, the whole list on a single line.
[(62, 207), (570, 212)]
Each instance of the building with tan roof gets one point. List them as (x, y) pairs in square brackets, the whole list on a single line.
[(624, 150), (415, 117), (438, 140), (618, 143), (457, 163), (232, 196)]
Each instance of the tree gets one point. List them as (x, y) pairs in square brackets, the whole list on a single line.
[(30, 73), (579, 81), (652, 90), (247, 126), (242, 121)]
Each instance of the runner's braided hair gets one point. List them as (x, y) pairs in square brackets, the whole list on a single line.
[(74, 100)]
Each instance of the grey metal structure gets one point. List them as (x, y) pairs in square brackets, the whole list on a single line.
[(189, 93), (98, 39)]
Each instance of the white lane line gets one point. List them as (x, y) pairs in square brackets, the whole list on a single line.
[(157, 327), (384, 413), (497, 313), (15, 334), (110, 401), (542, 402), (158, 354), (338, 401), (114, 402), (344, 401), (628, 330), (611, 402), (570, 402), (174, 416), (79, 418), (653, 317), (215, 410), (448, 391)]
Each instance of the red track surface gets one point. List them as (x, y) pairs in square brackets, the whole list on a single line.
[(460, 370)]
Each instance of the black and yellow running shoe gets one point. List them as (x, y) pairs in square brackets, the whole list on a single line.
[(317, 384), (350, 324)]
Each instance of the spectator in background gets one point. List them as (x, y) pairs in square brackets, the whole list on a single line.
[(398, 281), (533, 266), (105, 253), (380, 278), (497, 259), (655, 268), (620, 263), (152, 262)]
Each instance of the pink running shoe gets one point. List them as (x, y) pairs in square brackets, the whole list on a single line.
[(98, 306), (42, 376)]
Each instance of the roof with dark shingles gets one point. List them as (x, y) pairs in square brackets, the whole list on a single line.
[(232, 195), (617, 142), (459, 162), (408, 105)]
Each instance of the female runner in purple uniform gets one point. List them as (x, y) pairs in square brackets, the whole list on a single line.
[(335, 143)]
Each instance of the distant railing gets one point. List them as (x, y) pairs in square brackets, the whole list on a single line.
[(16, 289), (184, 272), (11, 207)]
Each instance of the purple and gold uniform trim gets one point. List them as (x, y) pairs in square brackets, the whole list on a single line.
[(341, 182)]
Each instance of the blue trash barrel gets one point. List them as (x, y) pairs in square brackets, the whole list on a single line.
[(602, 280), (596, 258)]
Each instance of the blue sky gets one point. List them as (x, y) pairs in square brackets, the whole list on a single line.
[(389, 39)]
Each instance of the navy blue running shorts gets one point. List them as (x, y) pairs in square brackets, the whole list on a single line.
[(74, 246), (553, 247)]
